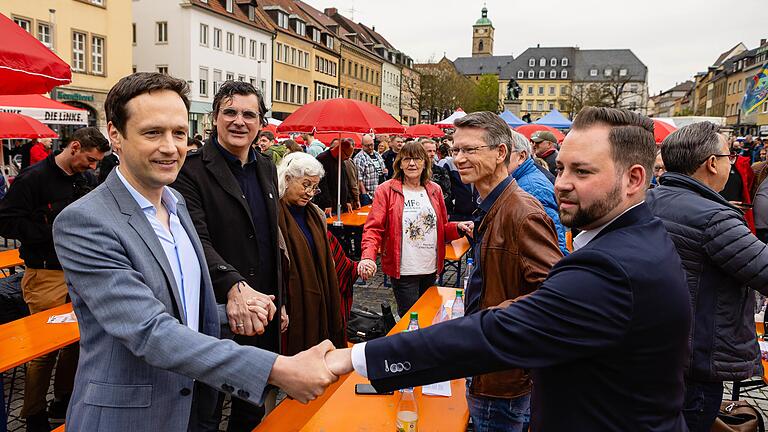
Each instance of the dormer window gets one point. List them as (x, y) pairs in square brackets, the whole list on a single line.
[(531, 74), (542, 74), (329, 41), (553, 61), (564, 61), (593, 72), (553, 73), (622, 72), (608, 72), (532, 62), (520, 74), (316, 35), (542, 62), (282, 20), (301, 28), (229, 5), (251, 13), (564, 74)]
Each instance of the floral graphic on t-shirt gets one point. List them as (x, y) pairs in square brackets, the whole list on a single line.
[(418, 228)]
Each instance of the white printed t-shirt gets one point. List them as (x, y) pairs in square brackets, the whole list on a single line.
[(419, 248)]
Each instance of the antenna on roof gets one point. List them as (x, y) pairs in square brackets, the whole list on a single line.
[(351, 11)]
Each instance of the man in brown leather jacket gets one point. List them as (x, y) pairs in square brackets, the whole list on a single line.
[(515, 246)]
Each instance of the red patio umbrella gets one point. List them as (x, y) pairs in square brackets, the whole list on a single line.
[(341, 115), (529, 129), (424, 130), (20, 126), (338, 116), (26, 65), (661, 129), (327, 137)]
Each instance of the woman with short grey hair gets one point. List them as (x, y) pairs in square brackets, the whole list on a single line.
[(313, 301)]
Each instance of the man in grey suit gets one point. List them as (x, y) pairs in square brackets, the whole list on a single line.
[(149, 353)]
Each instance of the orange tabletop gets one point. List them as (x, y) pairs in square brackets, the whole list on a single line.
[(10, 259), (346, 411), (30, 337), (456, 249), (354, 219)]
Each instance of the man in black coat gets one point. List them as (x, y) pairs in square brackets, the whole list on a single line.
[(231, 194), (606, 333), (724, 262), (36, 197)]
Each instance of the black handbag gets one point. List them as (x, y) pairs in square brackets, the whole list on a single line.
[(365, 325)]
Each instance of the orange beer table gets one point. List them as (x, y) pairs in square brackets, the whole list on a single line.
[(356, 218), (30, 337), (345, 411), (10, 259), (454, 252)]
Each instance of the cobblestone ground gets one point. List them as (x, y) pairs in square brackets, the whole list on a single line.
[(366, 295)]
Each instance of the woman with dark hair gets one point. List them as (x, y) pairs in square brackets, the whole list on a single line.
[(409, 221), (292, 147)]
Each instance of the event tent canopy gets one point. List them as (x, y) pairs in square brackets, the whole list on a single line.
[(511, 119), (554, 119)]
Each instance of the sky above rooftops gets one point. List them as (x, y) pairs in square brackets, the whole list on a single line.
[(674, 38)]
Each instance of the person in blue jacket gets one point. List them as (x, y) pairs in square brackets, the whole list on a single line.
[(606, 334), (531, 180)]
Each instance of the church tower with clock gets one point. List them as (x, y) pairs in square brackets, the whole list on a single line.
[(482, 36)]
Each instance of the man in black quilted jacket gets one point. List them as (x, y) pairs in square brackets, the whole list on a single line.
[(723, 260)]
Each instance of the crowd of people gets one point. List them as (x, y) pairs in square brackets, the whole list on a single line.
[(203, 267)]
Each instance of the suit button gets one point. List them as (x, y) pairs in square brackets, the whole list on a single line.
[(251, 236), (185, 392), (222, 267), (243, 394), (251, 272)]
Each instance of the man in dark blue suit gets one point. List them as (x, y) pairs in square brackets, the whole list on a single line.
[(606, 333)]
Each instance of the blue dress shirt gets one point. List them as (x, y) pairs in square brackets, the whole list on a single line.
[(178, 249)]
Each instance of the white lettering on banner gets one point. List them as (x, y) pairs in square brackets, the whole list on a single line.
[(53, 116)]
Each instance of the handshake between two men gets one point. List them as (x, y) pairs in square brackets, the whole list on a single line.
[(304, 376)]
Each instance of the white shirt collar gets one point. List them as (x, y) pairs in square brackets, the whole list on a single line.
[(587, 236)]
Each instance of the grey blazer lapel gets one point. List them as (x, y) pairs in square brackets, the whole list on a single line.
[(139, 222)]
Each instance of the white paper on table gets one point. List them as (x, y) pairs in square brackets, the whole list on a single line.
[(437, 389), (62, 319), (362, 213)]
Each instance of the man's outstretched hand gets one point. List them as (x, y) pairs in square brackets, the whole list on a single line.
[(305, 375), (339, 361)]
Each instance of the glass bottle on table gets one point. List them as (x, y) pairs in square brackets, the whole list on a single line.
[(413, 323), (407, 412), (457, 310)]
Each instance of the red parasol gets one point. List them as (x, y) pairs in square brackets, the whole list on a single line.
[(26, 65), (341, 115), (20, 126), (661, 129), (424, 130), (338, 116), (327, 137), (529, 129)]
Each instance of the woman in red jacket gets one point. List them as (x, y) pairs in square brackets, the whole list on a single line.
[(409, 222)]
